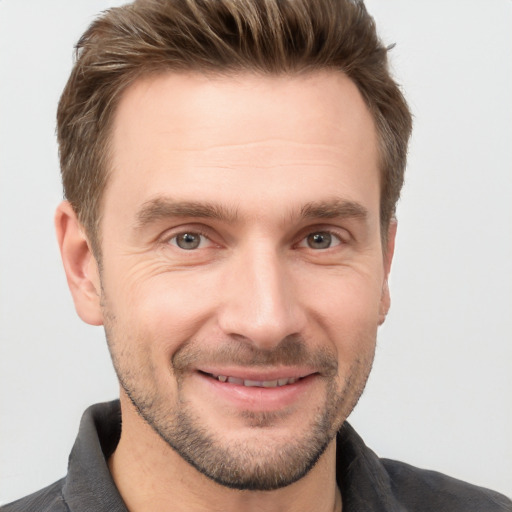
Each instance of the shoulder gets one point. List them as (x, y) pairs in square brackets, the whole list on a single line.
[(368, 482), (48, 499), (428, 491)]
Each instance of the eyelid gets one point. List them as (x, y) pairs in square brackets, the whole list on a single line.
[(335, 238), (173, 240), (195, 229), (341, 234)]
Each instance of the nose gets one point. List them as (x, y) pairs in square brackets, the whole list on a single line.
[(260, 304)]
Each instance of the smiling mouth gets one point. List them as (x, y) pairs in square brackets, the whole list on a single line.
[(254, 383)]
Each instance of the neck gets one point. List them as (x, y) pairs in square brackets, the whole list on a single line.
[(152, 477)]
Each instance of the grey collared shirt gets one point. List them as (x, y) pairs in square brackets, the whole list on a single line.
[(367, 483)]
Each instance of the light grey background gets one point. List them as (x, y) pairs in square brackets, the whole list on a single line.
[(440, 395)]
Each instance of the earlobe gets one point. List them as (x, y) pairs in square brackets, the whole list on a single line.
[(389, 249), (80, 265)]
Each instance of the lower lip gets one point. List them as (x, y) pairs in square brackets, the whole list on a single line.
[(258, 398)]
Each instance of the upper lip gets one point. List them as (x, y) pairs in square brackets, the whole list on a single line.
[(258, 374)]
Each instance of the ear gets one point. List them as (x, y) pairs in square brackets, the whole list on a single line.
[(80, 265), (389, 250)]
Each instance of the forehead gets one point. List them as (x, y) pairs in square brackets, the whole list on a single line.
[(216, 136), (245, 108)]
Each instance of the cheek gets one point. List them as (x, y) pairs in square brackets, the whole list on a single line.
[(347, 310), (168, 309), (349, 294)]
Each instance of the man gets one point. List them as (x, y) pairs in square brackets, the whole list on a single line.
[(232, 171)]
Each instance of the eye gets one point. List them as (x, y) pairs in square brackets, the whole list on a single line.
[(189, 240), (320, 240)]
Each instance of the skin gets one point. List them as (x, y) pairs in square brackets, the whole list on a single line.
[(254, 167)]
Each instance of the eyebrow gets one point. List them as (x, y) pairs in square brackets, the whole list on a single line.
[(333, 208), (162, 208)]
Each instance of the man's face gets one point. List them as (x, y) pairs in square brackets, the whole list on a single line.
[(243, 277)]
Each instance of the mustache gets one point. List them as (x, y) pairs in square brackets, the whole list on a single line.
[(291, 351)]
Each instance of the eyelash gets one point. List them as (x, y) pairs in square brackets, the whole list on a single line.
[(173, 239), (341, 240), (334, 236)]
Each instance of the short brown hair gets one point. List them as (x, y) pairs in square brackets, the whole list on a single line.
[(264, 36)]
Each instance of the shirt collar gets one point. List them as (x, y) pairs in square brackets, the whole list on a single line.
[(363, 481), (89, 484)]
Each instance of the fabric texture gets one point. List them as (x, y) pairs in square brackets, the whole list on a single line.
[(367, 483)]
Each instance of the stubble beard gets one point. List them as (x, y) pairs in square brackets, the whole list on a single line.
[(260, 463)]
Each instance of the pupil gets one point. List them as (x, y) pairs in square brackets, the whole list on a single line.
[(319, 240), (188, 241)]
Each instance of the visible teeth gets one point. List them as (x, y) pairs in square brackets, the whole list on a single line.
[(253, 383), (257, 383)]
